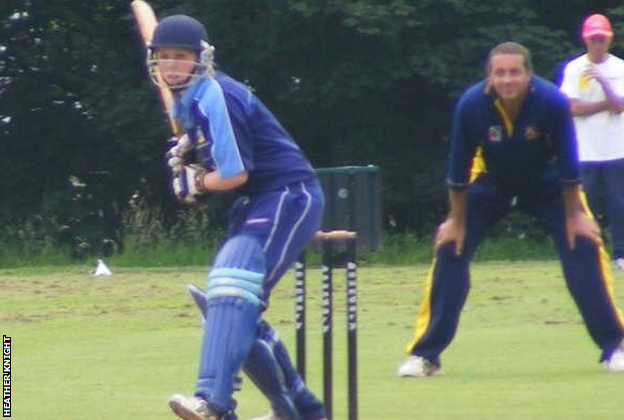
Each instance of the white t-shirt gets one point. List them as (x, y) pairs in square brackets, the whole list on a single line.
[(600, 135)]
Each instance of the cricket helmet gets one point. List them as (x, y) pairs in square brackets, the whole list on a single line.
[(181, 31)]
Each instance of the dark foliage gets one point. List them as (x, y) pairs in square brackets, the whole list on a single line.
[(356, 82)]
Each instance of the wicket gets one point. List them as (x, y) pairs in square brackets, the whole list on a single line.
[(328, 240)]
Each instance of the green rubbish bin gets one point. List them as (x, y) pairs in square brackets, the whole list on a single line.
[(353, 202)]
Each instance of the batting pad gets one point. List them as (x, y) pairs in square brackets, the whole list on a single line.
[(229, 333)]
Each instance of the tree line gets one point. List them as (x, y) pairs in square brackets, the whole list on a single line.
[(82, 136)]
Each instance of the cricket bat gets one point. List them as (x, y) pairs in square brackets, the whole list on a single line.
[(146, 21)]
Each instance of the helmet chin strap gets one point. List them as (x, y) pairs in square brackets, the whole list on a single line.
[(178, 91)]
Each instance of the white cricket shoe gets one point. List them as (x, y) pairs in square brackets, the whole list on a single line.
[(417, 366), (618, 264), (615, 364), (270, 416), (191, 408)]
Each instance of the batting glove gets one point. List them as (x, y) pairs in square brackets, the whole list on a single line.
[(188, 182), (176, 164), (183, 145)]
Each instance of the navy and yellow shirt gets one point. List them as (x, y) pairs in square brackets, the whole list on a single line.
[(233, 132), (537, 148)]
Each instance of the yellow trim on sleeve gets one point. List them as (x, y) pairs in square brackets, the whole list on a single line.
[(477, 167)]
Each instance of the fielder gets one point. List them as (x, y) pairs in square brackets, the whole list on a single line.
[(513, 144), (234, 143), (594, 82)]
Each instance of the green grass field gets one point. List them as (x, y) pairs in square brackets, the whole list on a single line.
[(117, 347)]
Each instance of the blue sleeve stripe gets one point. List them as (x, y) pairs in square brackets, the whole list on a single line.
[(225, 149)]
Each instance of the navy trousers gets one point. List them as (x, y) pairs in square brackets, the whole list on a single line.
[(586, 269)]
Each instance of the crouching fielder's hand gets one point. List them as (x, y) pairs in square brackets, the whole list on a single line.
[(580, 224)]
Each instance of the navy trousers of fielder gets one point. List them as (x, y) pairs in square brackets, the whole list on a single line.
[(267, 234), (604, 183), (586, 270)]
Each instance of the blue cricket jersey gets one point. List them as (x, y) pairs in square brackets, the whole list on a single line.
[(538, 148), (233, 132)]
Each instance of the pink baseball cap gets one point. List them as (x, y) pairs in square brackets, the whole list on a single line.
[(597, 24)]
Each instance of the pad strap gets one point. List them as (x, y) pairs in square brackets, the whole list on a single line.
[(235, 282)]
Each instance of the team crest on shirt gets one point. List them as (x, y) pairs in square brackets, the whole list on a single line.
[(531, 133), (495, 133)]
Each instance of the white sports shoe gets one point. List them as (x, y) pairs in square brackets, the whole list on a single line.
[(615, 364), (618, 264), (191, 408), (417, 366)]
